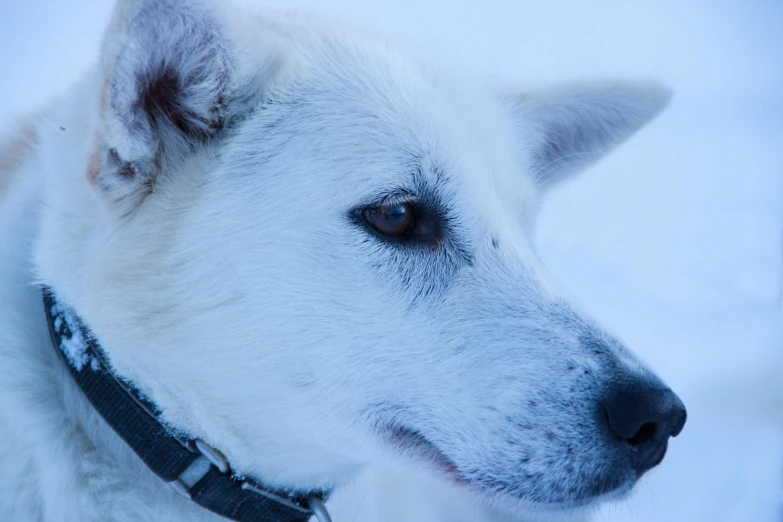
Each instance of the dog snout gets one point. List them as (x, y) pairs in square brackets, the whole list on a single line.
[(642, 416)]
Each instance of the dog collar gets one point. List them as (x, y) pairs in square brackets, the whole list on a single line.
[(190, 466)]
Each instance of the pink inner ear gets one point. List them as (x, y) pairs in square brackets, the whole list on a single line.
[(95, 165)]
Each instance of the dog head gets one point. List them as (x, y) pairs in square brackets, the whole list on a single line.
[(313, 251)]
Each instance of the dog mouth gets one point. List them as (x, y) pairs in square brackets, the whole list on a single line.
[(614, 484), (415, 446), (653, 457), (412, 445)]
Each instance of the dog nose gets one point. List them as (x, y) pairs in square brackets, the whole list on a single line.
[(643, 416)]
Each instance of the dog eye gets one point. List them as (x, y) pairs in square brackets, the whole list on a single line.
[(391, 220)]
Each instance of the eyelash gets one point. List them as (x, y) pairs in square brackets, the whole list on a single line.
[(396, 198)]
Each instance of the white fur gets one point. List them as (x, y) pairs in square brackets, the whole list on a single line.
[(214, 257)]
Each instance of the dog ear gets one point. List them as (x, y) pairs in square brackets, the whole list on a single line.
[(168, 73), (566, 129)]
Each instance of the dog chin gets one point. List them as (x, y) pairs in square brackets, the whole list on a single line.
[(414, 446), (577, 508)]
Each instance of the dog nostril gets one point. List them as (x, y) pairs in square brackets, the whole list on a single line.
[(641, 415), (644, 435)]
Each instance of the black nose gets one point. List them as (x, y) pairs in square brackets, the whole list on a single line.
[(643, 416)]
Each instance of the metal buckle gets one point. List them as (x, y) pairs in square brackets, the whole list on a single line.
[(214, 456), (314, 505), (180, 488), (210, 457), (319, 510), (199, 468)]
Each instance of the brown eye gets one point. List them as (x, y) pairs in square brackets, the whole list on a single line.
[(390, 220)]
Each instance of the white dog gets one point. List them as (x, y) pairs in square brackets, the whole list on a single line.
[(305, 253)]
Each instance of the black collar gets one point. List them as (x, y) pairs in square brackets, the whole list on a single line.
[(193, 468)]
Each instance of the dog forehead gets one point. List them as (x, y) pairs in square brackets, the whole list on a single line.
[(378, 115)]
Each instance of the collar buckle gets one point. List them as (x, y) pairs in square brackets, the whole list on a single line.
[(319, 510), (200, 467), (215, 457)]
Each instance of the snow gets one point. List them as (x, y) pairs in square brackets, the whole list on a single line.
[(675, 241), (72, 342)]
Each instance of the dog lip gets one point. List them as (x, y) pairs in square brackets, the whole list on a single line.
[(653, 457), (413, 444), (661, 451)]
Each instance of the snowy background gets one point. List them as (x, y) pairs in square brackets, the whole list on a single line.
[(675, 241)]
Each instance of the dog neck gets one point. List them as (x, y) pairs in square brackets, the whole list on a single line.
[(193, 468)]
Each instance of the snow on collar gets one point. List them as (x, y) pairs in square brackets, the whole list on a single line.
[(191, 467)]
